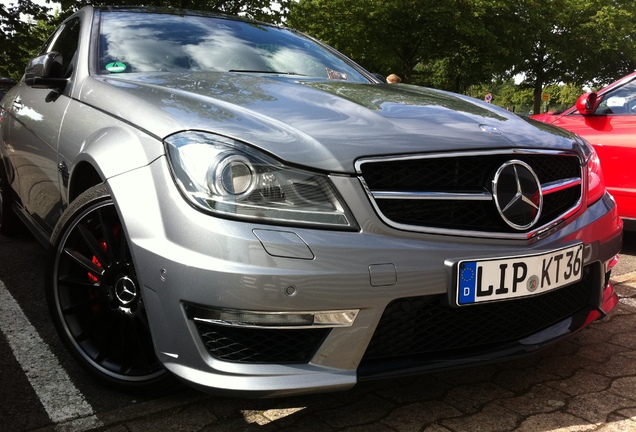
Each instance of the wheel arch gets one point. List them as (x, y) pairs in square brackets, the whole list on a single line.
[(106, 153), (84, 177)]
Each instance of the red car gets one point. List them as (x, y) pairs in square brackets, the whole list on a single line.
[(607, 119)]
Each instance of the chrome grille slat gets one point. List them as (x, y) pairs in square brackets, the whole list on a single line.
[(433, 196), (558, 186)]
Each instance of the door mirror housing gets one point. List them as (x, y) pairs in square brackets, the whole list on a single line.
[(46, 72), (587, 103)]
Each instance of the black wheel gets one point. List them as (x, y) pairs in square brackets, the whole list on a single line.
[(95, 298), (9, 222)]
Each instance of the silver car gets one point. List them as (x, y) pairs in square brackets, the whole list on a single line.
[(241, 207)]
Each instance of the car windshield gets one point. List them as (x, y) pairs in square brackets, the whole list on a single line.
[(139, 42)]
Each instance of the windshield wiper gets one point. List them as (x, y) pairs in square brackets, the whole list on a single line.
[(265, 72)]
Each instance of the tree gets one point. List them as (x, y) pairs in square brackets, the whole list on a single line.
[(573, 41), (344, 25), (407, 33), (21, 25), (475, 48), (263, 10), (385, 37), (612, 33)]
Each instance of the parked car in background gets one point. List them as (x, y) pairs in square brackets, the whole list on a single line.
[(5, 85), (239, 206), (607, 119)]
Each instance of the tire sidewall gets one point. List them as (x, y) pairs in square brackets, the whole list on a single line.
[(93, 198)]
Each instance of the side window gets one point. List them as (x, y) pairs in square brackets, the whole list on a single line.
[(621, 101), (65, 42)]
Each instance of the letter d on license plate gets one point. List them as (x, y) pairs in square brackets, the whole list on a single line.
[(505, 278)]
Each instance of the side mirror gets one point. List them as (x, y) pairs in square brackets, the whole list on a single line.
[(587, 103), (45, 72)]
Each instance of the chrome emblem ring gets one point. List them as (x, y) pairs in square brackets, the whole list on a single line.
[(126, 290), (517, 193)]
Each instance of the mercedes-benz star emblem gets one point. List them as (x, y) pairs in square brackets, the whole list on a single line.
[(125, 290), (517, 193)]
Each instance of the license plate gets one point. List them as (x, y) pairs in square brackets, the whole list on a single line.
[(505, 278)]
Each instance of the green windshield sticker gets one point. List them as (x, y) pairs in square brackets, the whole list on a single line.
[(115, 67)]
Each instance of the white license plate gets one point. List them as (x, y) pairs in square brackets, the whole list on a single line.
[(505, 278)]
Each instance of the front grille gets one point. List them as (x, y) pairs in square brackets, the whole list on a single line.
[(471, 176), (251, 345), (427, 328)]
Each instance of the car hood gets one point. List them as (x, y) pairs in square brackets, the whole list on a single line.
[(325, 125)]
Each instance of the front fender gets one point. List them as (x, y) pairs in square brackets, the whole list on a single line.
[(110, 146)]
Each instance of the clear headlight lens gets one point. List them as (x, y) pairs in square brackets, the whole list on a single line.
[(226, 177)]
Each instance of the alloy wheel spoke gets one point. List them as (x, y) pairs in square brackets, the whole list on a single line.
[(84, 262), (83, 306), (95, 247), (110, 238)]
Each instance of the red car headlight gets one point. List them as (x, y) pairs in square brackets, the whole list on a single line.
[(595, 180)]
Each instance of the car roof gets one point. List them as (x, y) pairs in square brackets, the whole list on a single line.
[(178, 11), (627, 78)]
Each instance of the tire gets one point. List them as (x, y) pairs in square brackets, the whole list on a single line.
[(9, 222), (95, 300)]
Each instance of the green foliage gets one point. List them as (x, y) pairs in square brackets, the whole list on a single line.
[(519, 99), (457, 44), (612, 30), (450, 45), (23, 29), (506, 94), (572, 41), (263, 10)]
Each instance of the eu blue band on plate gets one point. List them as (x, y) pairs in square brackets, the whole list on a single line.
[(467, 282)]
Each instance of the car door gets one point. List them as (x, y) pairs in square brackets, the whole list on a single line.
[(612, 132), (35, 118)]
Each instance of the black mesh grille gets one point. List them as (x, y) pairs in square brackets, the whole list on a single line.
[(467, 215), (250, 345), (467, 174), (422, 326)]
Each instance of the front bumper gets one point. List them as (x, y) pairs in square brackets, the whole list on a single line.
[(190, 263)]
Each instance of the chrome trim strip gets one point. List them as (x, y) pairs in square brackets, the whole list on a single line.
[(512, 152), (484, 196), (546, 189), (560, 185), (320, 319)]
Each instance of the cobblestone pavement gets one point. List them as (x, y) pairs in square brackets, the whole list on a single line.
[(586, 383)]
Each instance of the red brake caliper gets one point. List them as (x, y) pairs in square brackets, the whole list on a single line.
[(95, 261), (93, 293)]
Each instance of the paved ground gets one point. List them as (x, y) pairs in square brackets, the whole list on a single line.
[(587, 383)]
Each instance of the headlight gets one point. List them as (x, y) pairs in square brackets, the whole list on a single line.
[(222, 176), (595, 179)]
